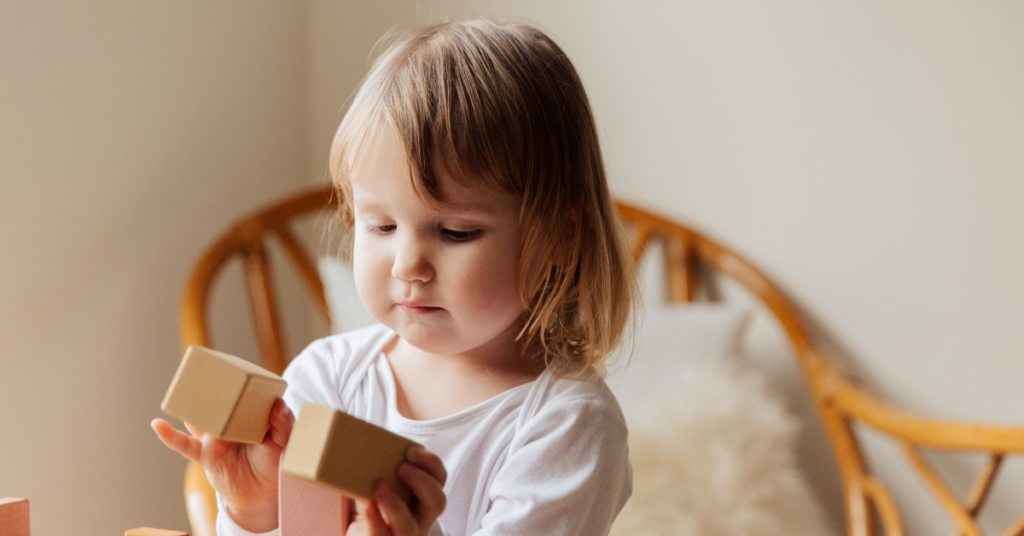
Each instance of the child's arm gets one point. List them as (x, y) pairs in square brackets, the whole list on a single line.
[(425, 475), (244, 475), (567, 473)]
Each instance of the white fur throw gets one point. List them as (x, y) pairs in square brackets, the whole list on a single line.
[(716, 458)]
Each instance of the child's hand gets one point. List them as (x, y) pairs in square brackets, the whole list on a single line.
[(388, 515), (244, 475)]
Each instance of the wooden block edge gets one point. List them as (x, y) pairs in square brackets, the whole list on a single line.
[(279, 387), (215, 427), (338, 419)]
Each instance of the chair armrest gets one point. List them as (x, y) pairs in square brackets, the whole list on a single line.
[(924, 431)]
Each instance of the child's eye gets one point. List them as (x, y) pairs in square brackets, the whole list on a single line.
[(380, 229), (460, 236)]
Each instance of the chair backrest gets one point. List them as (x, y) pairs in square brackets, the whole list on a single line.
[(691, 259), (841, 403), (248, 239)]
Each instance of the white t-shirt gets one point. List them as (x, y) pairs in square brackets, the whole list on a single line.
[(547, 457)]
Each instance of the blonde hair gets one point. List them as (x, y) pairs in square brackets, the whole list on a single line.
[(499, 105)]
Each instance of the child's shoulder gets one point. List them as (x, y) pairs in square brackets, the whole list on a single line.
[(587, 399), (362, 339), (578, 415), (355, 345), (327, 364)]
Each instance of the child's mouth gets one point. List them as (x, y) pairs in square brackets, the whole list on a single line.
[(417, 309)]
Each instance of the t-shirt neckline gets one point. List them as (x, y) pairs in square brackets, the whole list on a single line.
[(448, 421)]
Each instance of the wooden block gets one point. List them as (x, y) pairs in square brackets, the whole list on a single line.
[(146, 531), (308, 509), (224, 395), (14, 517), (335, 449)]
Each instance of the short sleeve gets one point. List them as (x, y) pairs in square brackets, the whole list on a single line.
[(567, 473)]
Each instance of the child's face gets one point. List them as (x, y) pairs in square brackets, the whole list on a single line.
[(443, 278)]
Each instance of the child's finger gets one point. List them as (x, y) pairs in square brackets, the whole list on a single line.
[(182, 443), (213, 448), (402, 521), (428, 491), (281, 422), (194, 430), (375, 521), (429, 462)]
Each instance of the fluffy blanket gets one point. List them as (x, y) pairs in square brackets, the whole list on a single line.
[(716, 458)]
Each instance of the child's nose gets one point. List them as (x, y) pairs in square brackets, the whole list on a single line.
[(411, 262)]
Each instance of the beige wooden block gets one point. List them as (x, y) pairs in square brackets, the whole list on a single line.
[(146, 531), (309, 509), (224, 395), (335, 449), (14, 517)]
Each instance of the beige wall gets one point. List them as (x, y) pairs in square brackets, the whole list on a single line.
[(130, 134), (865, 155)]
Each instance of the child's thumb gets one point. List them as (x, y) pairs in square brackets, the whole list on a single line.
[(281, 421)]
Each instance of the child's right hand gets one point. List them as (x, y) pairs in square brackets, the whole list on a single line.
[(244, 475), (388, 515)]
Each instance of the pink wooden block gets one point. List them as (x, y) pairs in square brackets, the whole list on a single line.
[(306, 509), (14, 517)]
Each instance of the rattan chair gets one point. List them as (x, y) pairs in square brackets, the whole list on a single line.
[(692, 259)]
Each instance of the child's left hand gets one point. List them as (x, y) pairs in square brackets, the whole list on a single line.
[(388, 515)]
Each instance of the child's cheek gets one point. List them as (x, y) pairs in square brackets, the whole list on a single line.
[(371, 271), (491, 283)]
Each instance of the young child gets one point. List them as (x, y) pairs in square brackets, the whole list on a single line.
[(485, 243)]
